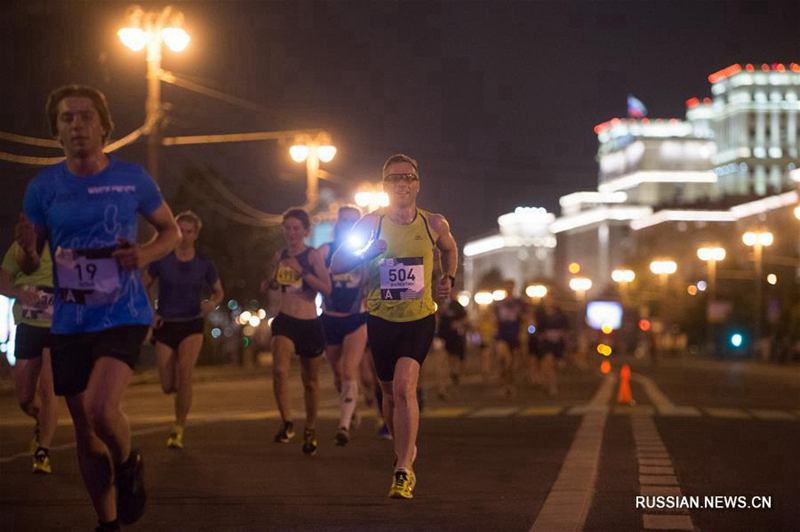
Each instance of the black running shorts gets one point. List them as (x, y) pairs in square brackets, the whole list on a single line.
[(337, 327), (30, 341), (391, 340), (172, 333), (306, 335), (74, 355)]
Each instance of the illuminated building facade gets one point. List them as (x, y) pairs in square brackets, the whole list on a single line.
[(755, 125), (522, 249), (728, 164)]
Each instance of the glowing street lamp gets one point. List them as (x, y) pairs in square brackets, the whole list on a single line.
[(536, 291), (151, 30), (758, 240), (711, 255), (483, 298), (371, 200), (623, 276), (312, 152), (580, 285), (663, 268)]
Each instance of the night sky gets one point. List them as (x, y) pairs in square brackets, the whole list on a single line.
[(497, 100)]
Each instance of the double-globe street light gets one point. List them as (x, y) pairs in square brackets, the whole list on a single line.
[(312, 152), (152, 30), (758, 240), (711, 255)]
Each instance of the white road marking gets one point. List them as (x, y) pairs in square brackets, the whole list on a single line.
[(568, 503)]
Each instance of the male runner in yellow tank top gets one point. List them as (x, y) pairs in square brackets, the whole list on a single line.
[(399, 253)]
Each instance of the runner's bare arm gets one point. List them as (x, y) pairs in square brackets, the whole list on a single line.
[(30, 238), (318, 278), (346, 258), (449, 253), (269, 286), (131, 256), (216, 297)]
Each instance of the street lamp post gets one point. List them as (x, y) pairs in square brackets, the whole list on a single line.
[(711, 255), (312, 152), (151, 30), (623, 277), (758, 240)]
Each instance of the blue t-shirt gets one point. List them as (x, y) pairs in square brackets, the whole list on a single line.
[(83, 217), (180, 285)]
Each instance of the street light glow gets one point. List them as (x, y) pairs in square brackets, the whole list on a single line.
[(499, 295), (580, 284), (761, 238), (134, 38), (772, 279), (299, 152), (663, 267), (176, 39), (623, 276), (711, 253), (326, 153), (483, 298), (371, 200), (536, 291)]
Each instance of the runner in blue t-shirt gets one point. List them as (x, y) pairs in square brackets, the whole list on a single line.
[(87, 209), (345, 323), (178, 331)]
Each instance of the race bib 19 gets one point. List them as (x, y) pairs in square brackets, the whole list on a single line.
[(42, 308), (87, 276), (402, 278)]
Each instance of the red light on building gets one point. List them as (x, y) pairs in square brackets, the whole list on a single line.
[(691, 103), (780, 67), (707, 100), (644, 325), (765, 68), (794, 67), (750, 68), (724, 73)]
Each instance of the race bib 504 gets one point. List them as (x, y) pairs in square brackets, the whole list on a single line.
[(402, 278)]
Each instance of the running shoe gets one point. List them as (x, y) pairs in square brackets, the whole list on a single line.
[(131, 497), (41, 461), (286, 432), (175, 438), (403, 483), (384, 433), (310, 442), (342, 436)]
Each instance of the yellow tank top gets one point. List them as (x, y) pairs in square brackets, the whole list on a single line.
[(400, 285)]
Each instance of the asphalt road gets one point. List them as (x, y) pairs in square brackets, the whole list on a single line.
[(486, 462)]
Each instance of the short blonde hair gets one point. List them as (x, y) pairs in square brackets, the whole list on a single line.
[(400, 158), (191, 217)]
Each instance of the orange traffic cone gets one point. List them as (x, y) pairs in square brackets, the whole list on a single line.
[(625, 397)]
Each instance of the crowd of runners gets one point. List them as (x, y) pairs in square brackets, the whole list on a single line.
[(85, 291)]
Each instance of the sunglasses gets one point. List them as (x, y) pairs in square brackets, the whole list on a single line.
[(398, 178)]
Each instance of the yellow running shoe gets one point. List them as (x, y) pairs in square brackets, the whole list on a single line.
[(175, 438), (403, 484), (41, 461)]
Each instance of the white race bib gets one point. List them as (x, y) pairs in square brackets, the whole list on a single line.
[(87, 277), (42, 309), (402, 278)]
